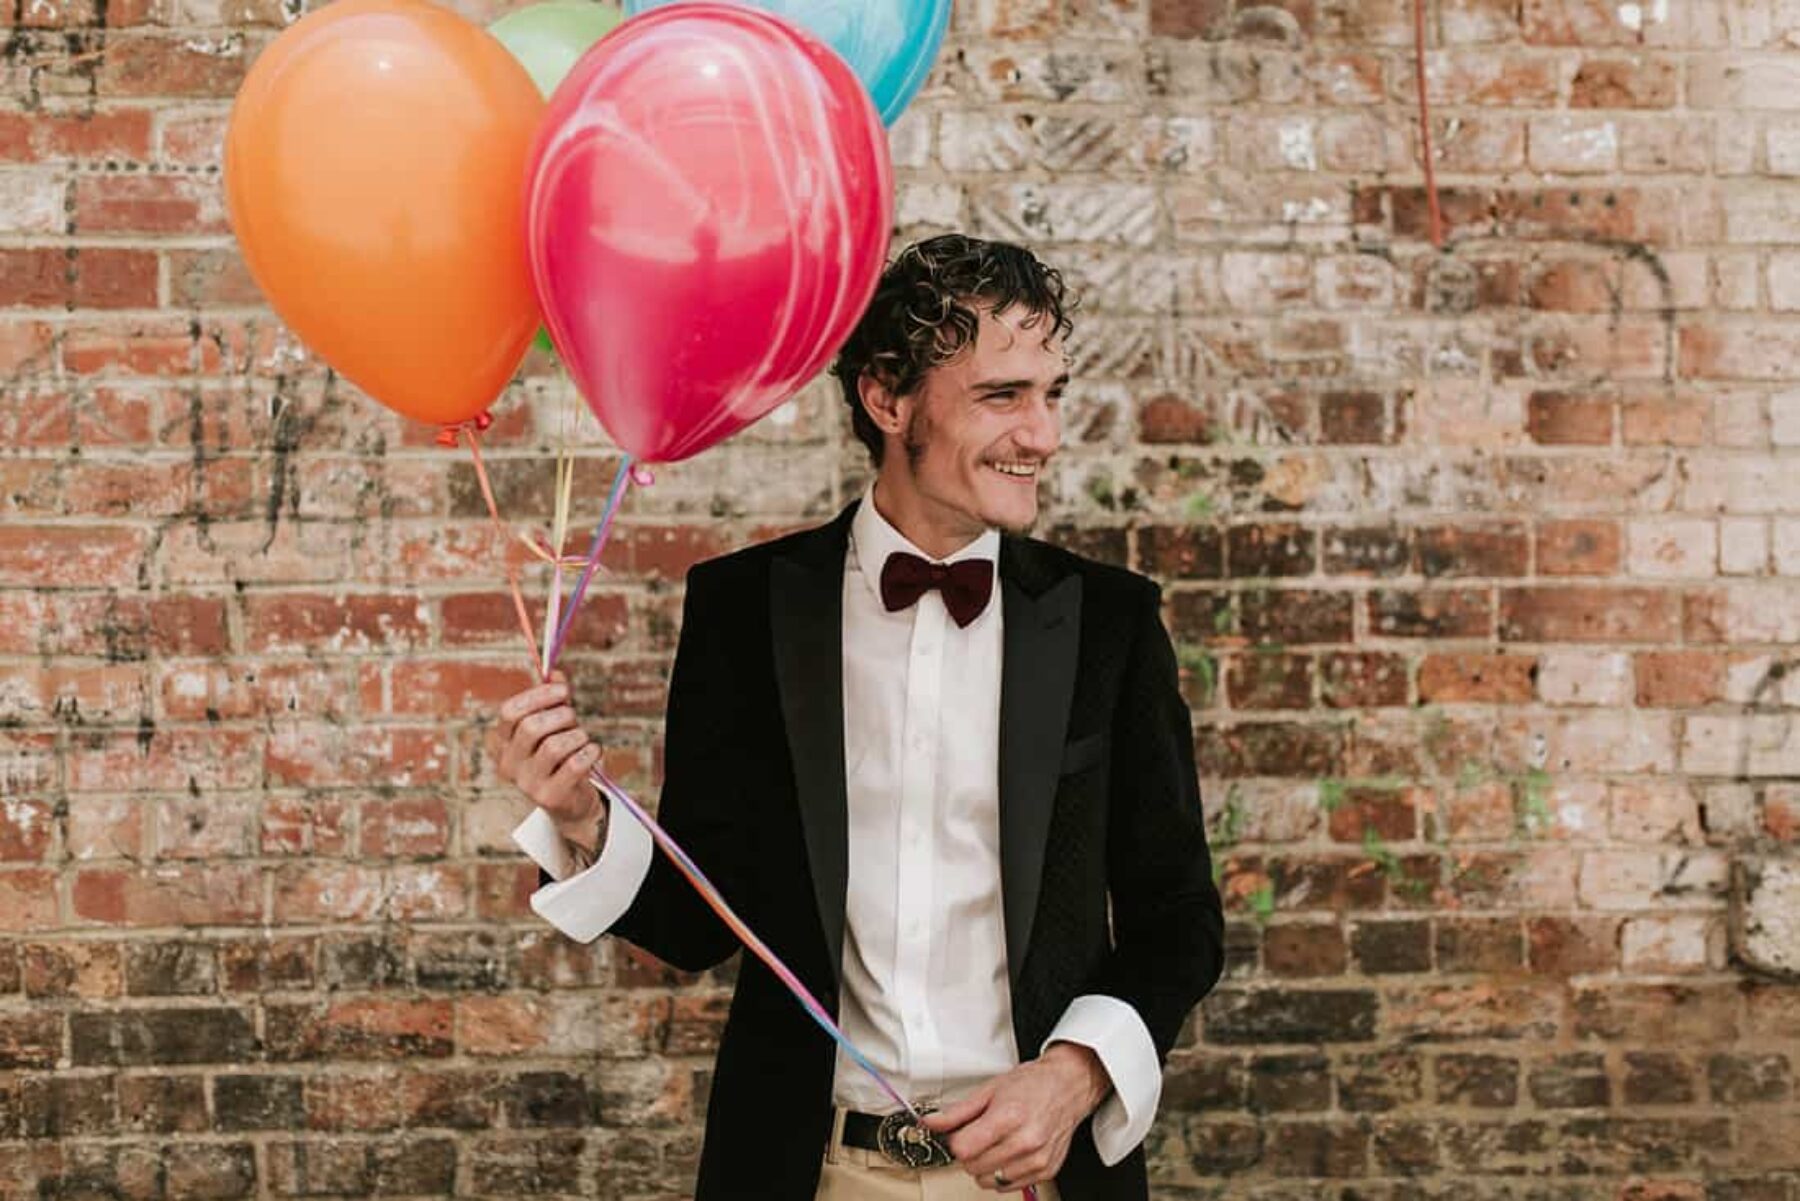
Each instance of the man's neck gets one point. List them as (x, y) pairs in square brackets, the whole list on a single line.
[(912, 515)]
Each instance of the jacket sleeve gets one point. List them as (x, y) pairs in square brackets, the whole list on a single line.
[(1168, 922)]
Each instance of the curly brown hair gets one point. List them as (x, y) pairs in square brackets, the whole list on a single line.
[(927, 311)]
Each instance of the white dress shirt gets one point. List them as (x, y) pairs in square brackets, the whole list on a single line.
[(924, 968)]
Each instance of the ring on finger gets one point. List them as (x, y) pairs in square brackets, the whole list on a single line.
[(1000, 1180)]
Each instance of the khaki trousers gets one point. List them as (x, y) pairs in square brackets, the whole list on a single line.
[(855, 1174)]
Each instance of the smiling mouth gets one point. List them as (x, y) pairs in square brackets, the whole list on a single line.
[(1017, 471)]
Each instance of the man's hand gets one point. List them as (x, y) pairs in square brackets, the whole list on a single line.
[(544, 753), (1020, 1124)]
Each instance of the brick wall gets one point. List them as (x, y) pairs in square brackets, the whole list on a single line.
[(1481, 562)]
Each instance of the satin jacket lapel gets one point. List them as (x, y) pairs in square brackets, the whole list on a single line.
[(1042, 619), (806, 615)]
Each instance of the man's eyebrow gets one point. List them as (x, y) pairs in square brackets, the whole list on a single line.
[(1009, 385)]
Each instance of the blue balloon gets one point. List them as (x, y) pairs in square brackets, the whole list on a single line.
[(890, 44)]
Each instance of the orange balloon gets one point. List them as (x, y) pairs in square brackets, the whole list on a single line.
[(375, 176)]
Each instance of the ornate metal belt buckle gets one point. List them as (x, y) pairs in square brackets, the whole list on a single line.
[(903, 1141)]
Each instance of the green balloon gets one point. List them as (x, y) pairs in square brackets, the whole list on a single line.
[(547, 38), (543, 340)]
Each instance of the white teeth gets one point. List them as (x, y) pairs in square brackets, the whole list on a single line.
[(1023, 470)]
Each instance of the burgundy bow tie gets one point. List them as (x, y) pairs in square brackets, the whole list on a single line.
[(966, 585)]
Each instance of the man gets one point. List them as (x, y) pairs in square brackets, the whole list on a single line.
[(962, 809)]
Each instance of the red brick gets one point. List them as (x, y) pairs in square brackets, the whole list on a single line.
[(329, 892), (1170, 419), (164, 205), (192, 139), (1353, 418), (210, 278), (1365, 680), (1740, 351), (1586, 213), (1584, 614), (1367, 551), (1584, 285), (1590, 23), (1624, 83), (26, 829), (227, 691), (503, 1025), (114, 279), (1304, 949), (1187, 18), (85, 969), (1500, 78), (372, 1028), (405, 826), (1387, 814), (39, 137), (424, 687), (308, 825), (622, 687), (1570, 419), (1260, 551), (660, 552), (1438, 613), (1473, 550), (30, 1040), (362, 1103), (214, 894), (1672, 421), (146, 65), (169, 760), (1181, 552), (28, 900), (1291, 617), (1679, 679), (1271, 749), (1477, 678), (133, 346), (502, 891), (313, 755), (337, 625), (1269, 681), (482, 618), (1579, 547)]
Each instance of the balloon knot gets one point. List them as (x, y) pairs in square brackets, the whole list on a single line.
[(483, 419), (642, 476), (447, 436)]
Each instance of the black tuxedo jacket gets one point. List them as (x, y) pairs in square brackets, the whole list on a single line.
[(1099, 803)]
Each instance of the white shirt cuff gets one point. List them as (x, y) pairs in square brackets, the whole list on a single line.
[(585, 904), (1114, 1031)]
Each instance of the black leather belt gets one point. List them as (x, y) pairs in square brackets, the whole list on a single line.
[(898, 1138)]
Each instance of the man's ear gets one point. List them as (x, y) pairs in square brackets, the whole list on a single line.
[(884, 408)]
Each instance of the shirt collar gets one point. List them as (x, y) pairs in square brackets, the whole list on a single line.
[(873, 538)]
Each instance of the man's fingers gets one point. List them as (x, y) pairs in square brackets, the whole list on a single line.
[(574, 769), (517, 706), (1011, 1149), (551, 753), (538, 726), (961, 1113), (979, 1137)]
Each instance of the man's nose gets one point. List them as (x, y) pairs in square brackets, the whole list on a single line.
[(1042, 432)]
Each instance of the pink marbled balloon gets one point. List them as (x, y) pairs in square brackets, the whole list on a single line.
[(707, 212)]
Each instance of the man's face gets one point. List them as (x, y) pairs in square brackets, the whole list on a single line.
[(974, 437)]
